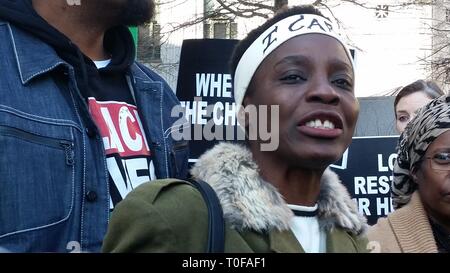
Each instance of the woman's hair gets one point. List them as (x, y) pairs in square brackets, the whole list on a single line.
[(429, 88), (245, 43)]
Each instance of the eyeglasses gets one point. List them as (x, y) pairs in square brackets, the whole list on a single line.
[(440, 161)]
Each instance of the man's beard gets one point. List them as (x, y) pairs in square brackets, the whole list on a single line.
[(137, 12)]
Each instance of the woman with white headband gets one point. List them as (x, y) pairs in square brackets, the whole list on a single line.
[(273, 200)]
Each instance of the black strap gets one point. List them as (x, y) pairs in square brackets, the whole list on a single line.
[(216, 226)]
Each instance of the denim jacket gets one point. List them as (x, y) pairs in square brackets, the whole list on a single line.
[(54, 194)]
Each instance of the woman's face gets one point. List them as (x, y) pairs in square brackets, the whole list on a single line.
[(433, 178), (406, 108), (310, 77)]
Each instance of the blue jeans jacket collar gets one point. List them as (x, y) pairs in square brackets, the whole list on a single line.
[(30, 64)]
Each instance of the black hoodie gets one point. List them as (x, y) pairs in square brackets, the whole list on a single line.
[(105, 84)]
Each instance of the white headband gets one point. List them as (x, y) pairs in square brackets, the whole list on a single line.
[(272, 38)]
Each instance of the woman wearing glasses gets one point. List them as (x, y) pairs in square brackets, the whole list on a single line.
[(421, 186)]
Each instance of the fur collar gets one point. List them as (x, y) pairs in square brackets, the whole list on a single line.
[(250, 203)]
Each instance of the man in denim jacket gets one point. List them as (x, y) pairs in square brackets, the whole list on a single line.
[(81, 123)]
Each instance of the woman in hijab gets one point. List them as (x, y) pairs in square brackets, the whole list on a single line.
[(282, 200), (421, 186)]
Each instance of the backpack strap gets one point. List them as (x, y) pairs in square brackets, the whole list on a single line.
[(216, 224)]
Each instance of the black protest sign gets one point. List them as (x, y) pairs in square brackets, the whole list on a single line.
[(204, 89), (366, 171)]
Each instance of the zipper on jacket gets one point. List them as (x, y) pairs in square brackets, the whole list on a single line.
[(60, 144), (68, 149)]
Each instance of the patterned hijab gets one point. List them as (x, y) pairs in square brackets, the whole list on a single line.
[(430, 122)]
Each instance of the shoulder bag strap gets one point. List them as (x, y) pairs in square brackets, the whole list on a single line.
[(216, 225)]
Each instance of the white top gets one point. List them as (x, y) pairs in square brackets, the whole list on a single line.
[(102, 64), (307, 231)]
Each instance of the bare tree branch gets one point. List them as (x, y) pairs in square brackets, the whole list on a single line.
[(223, 10)]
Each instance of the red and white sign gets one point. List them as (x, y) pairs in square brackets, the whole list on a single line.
[(120, 127)]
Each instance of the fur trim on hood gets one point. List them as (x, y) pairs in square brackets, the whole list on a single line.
[(248, 202)]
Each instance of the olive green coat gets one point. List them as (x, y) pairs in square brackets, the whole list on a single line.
[(171, 216)]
